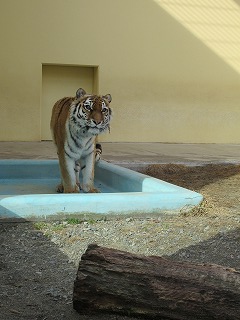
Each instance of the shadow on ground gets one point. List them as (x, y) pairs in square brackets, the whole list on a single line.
[(193, 178), (223, 249), (36, 278)]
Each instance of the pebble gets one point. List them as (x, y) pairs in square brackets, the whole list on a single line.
[(154, 236)]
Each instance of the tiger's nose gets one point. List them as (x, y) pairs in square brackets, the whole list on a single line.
[(96, 121)]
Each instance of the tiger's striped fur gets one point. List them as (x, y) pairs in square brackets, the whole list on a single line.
[(75, 124)]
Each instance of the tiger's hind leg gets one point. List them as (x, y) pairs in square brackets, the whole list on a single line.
[(98, 152), (77, 172)]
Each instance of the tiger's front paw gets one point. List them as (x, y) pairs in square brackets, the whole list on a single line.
[(59, 188), (90, 190), (94, 190), (68, 189)]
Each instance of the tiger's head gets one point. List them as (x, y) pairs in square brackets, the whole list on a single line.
[(91, 113)]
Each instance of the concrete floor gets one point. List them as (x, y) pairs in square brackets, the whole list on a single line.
[(131, 154)]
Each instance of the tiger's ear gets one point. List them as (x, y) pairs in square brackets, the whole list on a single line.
[(108, 97), (80, 93)]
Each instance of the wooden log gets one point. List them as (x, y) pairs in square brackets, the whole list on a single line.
[(114, 281)]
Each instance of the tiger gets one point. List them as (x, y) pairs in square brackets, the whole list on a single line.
[(75, 125)]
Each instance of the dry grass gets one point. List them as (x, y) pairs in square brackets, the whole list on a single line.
[(218, 183)]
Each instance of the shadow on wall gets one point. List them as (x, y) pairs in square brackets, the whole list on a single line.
[(215, 23)]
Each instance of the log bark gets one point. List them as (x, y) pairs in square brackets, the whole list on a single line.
[(113, 281)]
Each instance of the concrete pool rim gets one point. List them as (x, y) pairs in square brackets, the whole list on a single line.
[(138, 193)]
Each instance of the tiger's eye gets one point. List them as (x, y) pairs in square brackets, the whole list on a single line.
[(104, 109), (87, 107)]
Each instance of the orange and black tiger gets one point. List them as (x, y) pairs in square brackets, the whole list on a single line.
[(75, 124)]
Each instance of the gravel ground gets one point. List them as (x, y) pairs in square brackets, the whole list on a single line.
[(168, 236), (39, 260)]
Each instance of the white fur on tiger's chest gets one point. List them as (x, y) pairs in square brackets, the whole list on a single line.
[(79, 142)]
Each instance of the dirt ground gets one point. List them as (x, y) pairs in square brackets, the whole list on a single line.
[(37, 275), (218, 183)]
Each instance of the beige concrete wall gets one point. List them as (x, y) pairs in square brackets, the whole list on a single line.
[(167, 84)]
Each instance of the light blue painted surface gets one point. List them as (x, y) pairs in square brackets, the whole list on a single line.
[(27, 190)]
